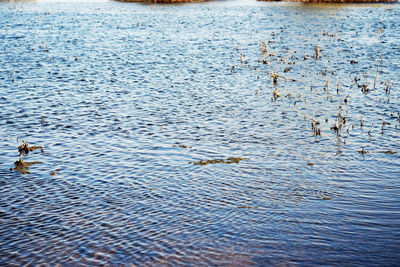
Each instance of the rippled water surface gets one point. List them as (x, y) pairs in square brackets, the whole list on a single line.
[(124, 96)]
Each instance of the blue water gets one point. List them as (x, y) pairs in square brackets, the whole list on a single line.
[(123, 96)]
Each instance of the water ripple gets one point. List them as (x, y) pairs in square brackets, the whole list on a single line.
[(123, 96)]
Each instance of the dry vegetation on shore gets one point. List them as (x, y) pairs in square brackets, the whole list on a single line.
[(335, 1), (163, 1), (302, 1)]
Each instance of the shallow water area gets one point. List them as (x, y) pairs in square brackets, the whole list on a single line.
[(123, 97)]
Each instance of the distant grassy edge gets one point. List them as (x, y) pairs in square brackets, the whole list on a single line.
[(335, 1), (162, 1)]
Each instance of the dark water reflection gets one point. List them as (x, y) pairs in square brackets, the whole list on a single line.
[(121, 86)]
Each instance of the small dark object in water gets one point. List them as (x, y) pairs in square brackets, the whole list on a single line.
[(206, 162), (286, 70), (388, 152), (215, 161), (317, 55), (353, 62), (369, 132), (276, 94), (233, 160), (364, 88), (311, 164), (328, 34), (23, 166), (315, 128), (363, 151), (335, 128), (274, 78), (182, 146), (25, 148)]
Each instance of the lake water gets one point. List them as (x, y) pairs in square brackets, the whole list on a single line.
[(128, 98)]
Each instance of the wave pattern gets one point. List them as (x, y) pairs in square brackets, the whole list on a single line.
[(123, 96)]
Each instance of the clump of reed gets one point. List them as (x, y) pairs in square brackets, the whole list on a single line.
[(368, 80), (25, 148), (315, 126), (20, 165)]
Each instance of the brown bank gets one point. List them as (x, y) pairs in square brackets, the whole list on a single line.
[(335, 1), (162, 1), (303, 1)]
